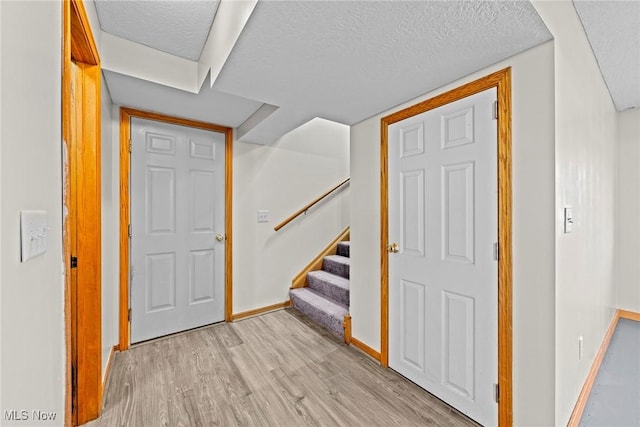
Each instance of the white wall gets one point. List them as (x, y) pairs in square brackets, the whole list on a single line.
[(586, 142), (32, 293), (282, 178), (533, 230), (628, 212), (110, 159), (1, 234)]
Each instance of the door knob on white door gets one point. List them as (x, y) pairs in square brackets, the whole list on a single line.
[(393, 248), (220, 237)]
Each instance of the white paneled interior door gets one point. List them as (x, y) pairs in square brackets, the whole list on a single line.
[(443, 281), (177, 217)]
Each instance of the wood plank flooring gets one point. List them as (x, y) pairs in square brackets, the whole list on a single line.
[(278, 369)]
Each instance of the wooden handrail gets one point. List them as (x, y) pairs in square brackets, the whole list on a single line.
[(309, 205)]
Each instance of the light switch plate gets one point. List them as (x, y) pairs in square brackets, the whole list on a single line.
[(34, 234), (568, 220), (263, 216)]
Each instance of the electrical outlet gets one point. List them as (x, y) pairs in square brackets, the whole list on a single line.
[(263, 216), (580, 339)]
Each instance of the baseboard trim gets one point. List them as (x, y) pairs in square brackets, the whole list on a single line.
[(261, 310), (365, 348), (631, 315), (576, 415)]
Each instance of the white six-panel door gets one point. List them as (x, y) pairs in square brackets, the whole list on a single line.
[(443, 281), (177, 210)]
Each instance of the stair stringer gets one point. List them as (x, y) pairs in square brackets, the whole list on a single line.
[(300, 280)]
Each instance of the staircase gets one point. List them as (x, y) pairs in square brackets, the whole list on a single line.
[(325, 299)]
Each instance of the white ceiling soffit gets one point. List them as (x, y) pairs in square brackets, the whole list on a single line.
[(208, 106), (178, 27), (613, 29), (348, 60), (129, 57), (136, 60)]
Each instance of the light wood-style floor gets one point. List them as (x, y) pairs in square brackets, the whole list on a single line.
[(277, 369)]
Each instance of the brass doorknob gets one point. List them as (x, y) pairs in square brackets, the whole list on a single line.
[(393, 248), (220, 237)]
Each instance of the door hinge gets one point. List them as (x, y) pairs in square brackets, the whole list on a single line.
[(496, 251), (496, 390), (130, 146), (130, 231), (129, 315), (495, 110), (74, 262)]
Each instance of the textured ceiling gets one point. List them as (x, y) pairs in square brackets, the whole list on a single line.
[(348, 60), (613, 29), (209, 105), (178, 27)]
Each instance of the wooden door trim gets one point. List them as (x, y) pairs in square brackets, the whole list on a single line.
[(81, 230), (126, 114), (501, 80)]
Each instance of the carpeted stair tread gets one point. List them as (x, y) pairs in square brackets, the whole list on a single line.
[(325, 300), (343, 249), (322, 310), (329, 285), (337, 264)]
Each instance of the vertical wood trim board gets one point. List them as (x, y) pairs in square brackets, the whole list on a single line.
[(126, 114), (66, 201), (125, 170), (88, 228), (228, 294), (384, 237), (505, 263), (347, 329), (81, 228), (501, 80)]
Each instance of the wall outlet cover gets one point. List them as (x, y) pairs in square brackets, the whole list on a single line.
[(263, 215), (34, 234)]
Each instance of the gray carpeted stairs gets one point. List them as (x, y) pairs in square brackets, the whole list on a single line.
[(326, 298)]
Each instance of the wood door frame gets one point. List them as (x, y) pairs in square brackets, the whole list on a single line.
[(126, 114), (501, 80), (81, 120)]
